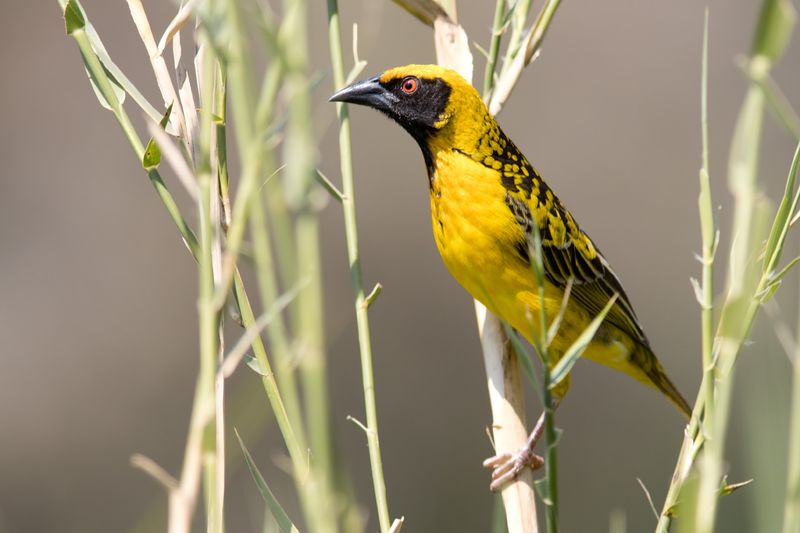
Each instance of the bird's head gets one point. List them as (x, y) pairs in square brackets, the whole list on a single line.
[(424, 99)]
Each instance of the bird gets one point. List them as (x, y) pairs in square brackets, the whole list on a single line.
[(487, 201)]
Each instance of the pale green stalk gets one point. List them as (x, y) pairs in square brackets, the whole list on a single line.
[(279, 337), (314, 485), (708, 233), (209, 315), (265, 266), (518, 21), (542, 347), (494, 47), (103, 84), (791, 509), (209, 318), (243, 102), (748, 282), (300, 186), (351, 232)]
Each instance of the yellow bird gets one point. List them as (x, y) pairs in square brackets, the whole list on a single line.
[(485, 200)]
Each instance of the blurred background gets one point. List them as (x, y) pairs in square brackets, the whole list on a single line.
[(98, 322)]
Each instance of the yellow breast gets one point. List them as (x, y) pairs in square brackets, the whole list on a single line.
[(477, 238)]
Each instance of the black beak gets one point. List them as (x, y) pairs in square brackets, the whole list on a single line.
[(368, 92)]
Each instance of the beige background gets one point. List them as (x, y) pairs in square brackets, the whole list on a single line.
[(97, 314)]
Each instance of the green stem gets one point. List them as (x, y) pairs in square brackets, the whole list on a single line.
[(209, 324), (494, 48), (791, 510), (708, 233), (520, 17), (98, 73), (301, 186), (296, 451), (209, 315), (550, 436), (279, 337), (351, 232), (243, 102)]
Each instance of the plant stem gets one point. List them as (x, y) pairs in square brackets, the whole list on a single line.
[(518, 21), (208, 356), (351, 232), (98, 74), (243, 103), (209, 315), (791, 509), (300, 185), (494, 48), (708, 233), (542, 347), (279, 338)]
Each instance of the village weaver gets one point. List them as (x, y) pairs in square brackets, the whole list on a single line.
[(486, 199)]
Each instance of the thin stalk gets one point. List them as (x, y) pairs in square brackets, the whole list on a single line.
[(209, 320), (209, 316), (277, 212), (221, 110), (243, 103), (265, 264), (494, 47), (791, 509), (296, 451), (692, 443), (712, 410), (743, 288), (184, 499), (531, 42), (351, 233), (695, 439), (279, 337), (550, 436), (520, 17), (103, 84), (708, 233), (551, 459)]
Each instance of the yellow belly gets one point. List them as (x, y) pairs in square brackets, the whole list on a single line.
[(476, 235)]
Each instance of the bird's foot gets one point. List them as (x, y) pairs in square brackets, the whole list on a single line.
[(507, 466)]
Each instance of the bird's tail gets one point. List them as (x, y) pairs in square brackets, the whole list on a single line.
[(659, 379)]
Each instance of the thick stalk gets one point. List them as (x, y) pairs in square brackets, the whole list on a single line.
[(351, 233), (300, 185), (509, 429), (502, 365)]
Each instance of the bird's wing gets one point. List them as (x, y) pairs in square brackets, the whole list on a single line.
[(567, 252)]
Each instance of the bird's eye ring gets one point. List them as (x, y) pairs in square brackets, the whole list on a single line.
[(409, 85)]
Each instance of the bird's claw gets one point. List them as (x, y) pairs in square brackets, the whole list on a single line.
[(507, 466)]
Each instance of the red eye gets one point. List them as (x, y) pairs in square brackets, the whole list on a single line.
[(409, 85)]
